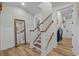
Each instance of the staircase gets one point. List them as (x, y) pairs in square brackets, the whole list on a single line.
[(37, 43), (43, 37)]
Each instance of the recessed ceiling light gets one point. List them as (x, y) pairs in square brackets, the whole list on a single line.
[(23, 3)]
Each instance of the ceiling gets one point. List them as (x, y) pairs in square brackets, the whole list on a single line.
[(31, 7), (58, 5)]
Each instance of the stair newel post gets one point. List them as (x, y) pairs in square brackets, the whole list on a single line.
[(43, 44), (31, 39)]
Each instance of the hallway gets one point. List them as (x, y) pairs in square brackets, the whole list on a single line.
[(38, 26), (24, 50)]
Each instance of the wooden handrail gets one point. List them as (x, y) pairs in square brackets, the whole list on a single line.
[(43, 31), (34, 29), (50, 39), (41, 23), (45, 19), (36, 38), (47, 27)]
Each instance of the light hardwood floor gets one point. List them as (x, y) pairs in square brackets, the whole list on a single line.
[(63, 49), (23, 50)]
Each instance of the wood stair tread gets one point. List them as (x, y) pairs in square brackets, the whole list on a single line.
[(37, 45), (39, 41)]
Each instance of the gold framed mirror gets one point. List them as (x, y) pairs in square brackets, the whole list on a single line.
[(20, 32)]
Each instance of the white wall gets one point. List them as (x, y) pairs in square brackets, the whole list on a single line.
[(75, 31), (67, 30), (66, 26), (9, 13), (76, 40)]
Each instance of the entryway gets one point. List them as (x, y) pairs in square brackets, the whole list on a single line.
[(65, 22)]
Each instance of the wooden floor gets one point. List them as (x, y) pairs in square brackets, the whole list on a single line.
[(64, 48), (23, 50)]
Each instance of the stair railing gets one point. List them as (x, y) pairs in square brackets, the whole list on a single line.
[(44, 43), (42, 33), (34, 33), (37, 37)]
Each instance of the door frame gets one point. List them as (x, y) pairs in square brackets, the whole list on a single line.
[(16, 45), (58, 10)]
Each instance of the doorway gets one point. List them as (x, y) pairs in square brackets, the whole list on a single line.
[(65, 21), (20, 32)]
